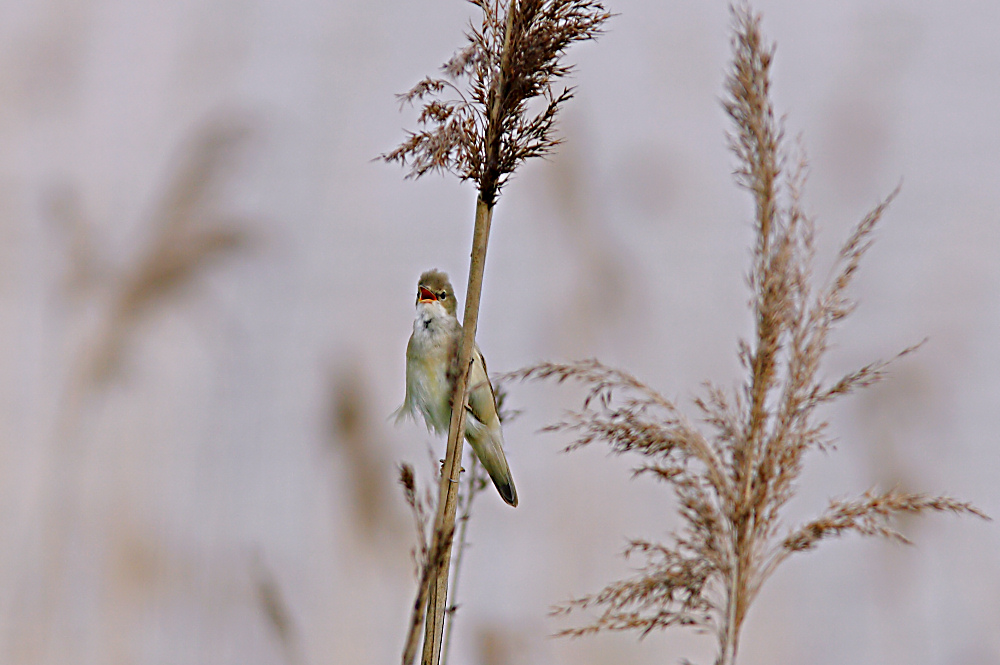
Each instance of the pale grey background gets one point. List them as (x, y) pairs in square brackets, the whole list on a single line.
[(239, 450)]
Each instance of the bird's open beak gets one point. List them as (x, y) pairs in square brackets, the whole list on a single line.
[(425, 295)]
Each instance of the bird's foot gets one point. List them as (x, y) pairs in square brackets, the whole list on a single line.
[(461, 470)]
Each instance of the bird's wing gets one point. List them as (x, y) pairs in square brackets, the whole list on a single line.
[(482, 400), (487, 438), (406, 408)]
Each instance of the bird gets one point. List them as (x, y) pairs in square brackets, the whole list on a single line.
[(431, 355)]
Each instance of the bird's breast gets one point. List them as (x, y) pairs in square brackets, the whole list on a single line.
[(430, 353)]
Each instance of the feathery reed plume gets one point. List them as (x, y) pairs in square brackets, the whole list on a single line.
[(732, 477), (190, 236), (483, 132)]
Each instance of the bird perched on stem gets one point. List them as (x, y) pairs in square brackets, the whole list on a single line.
[(430, 380)]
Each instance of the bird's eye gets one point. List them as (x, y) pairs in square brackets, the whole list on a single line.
[(443, 295)]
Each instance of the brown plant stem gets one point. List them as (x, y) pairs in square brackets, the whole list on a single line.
[(736, 600), (417, 617), (472, 488), (444, 523)]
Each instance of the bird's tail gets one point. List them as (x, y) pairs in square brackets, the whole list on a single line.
[(402, 413), (488, 446)]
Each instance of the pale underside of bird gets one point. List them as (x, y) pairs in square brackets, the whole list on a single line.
[(430, 370)]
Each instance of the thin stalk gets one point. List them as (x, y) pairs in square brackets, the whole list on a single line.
[(444, 523), (730, 635), (727, 650), (417, 617), (472, 488)]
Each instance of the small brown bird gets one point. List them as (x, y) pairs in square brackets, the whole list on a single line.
[(430, 355)]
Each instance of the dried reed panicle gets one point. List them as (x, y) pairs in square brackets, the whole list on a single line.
[(189, 237), (733, 476), (477, 119), (421, 508)]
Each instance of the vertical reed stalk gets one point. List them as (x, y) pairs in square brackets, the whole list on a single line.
[(475, 483), (444, 524), (483, 135)]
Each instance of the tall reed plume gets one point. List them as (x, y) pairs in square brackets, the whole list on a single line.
[(733, 474), (478, 126), (191, 234)]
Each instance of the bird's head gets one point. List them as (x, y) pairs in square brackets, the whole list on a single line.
[(434, 287)]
